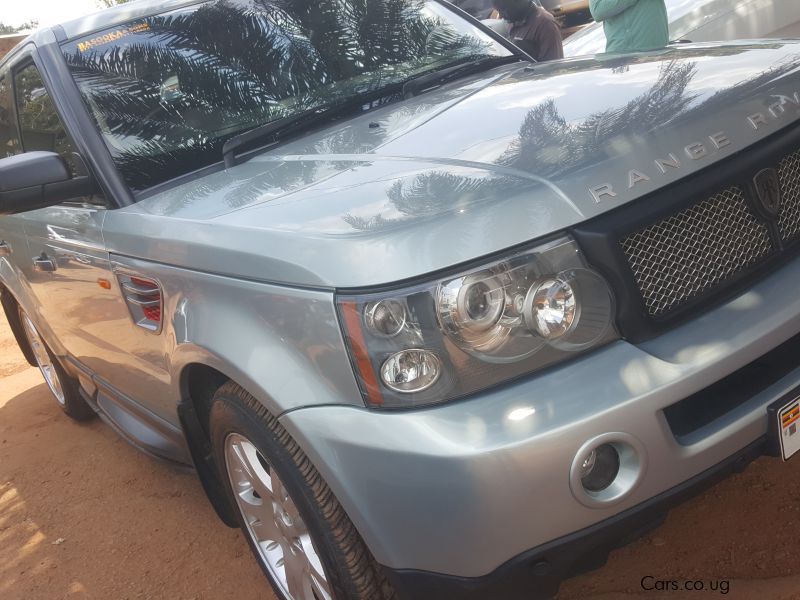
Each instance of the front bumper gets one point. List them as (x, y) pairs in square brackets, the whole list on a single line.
[(460, 489), (537, 574)]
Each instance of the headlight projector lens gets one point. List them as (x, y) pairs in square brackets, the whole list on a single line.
[(550, 308), (471, 309), (479, 303)]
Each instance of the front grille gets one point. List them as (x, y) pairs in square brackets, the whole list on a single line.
[(789, 175), (695, 250)]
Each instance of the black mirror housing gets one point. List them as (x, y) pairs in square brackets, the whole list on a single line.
[(36, 180)]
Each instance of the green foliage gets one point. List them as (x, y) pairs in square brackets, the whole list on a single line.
[(10, 29), (38, 119)]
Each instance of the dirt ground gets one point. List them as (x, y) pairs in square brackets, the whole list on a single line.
[(84, 515)]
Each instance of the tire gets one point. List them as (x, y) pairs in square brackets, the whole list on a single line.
[(64, 388), (303, 525)]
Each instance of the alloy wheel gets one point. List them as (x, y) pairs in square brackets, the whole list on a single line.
[(274, 524), (43, 359)]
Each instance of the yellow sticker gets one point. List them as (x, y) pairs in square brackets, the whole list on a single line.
[(112, 36)]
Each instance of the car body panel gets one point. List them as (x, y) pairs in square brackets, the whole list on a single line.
[(354, 206), (70, 236), (481, 476), (283, 345), (295, 358), (705, 21), (12, 231), (138, 425)]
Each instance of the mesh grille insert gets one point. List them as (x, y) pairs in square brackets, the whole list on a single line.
[(789, 174), (695, 250)]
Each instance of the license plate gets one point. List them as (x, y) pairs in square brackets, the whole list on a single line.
[(788, 427)]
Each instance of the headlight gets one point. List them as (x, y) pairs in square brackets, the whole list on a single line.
[(448, 338)]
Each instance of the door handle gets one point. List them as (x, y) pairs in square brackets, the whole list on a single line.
[(5, 248), (44, 264)]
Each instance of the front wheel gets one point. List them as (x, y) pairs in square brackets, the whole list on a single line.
[(300, 535), (63, 387)]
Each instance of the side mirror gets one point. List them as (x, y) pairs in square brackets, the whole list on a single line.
[(38, 179)]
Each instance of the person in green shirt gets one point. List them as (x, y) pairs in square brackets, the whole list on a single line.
[(632, 25)]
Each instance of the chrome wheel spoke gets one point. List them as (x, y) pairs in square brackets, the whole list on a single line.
[(261, 518), (256, 475), (295, 571), (253, 492)]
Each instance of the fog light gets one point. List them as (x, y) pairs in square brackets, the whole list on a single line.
[(600, 468), (587, 466), (411, 371), (607, 468)]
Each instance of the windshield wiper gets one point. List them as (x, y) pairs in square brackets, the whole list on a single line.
[(428, 81), (274, 130)]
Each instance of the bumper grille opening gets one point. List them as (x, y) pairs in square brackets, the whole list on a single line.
[(708, 405), (695, 250)]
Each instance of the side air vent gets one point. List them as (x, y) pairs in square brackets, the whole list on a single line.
[(144, 300)]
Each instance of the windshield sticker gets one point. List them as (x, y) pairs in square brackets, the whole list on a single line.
[(112, 36)]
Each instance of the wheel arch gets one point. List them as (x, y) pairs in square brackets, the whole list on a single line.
[(10, 304), (198, 380), (198, 384), (199, 377)]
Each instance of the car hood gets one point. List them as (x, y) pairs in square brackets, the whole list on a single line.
[(468, 170)]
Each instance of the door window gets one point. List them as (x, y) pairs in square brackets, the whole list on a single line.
[(9, 138), (39, 122)]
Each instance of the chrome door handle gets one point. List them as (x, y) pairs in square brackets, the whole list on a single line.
[(5, 249), (43, 264)]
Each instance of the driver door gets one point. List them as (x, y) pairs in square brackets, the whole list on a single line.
[(65, 262)]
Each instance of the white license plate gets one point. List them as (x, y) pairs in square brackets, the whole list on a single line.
[(789, 428)]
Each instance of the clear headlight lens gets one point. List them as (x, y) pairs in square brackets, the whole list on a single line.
[(445, 339), (550, 308), (411, 371), (385, 317)]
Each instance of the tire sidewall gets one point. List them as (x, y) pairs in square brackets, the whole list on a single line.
[(74, 405), (229, 415)]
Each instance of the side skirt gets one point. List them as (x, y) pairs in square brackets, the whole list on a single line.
[(185, 448), (139, 426)]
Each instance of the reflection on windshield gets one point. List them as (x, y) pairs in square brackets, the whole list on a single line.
[(168, 90)]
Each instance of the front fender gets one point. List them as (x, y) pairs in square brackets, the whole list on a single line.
[(284, 345)]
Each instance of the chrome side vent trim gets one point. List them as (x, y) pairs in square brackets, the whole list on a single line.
[(144, 299)]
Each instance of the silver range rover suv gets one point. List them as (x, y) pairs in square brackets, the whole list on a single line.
[(428, 319)]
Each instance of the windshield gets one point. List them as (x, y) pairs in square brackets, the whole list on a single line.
[(167, 91)]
